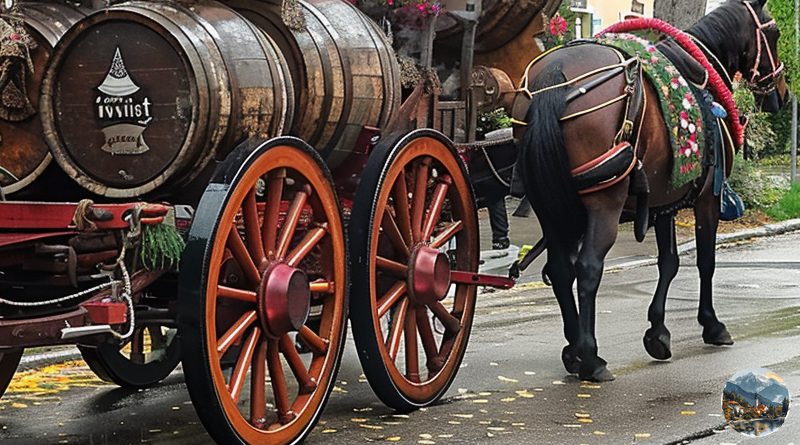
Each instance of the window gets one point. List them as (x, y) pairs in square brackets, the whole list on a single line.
[(637, 7)]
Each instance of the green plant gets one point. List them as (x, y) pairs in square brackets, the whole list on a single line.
[(756, 189), (788, 207), (759, 132), (492, 120), (783, 13)]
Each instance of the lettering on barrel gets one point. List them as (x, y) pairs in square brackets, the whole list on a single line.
[(128, 112)]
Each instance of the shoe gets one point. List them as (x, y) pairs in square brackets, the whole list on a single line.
[(501, 244)]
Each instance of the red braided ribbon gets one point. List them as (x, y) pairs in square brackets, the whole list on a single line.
[(718, 87)]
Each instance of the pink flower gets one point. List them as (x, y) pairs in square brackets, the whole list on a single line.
[(558, 26), (651, 49), (674, 83), (693, 137), (684, 116)]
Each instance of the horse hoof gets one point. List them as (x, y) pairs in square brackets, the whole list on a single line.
[(569, 355), (717, 335), (599, 375), (657, 343)]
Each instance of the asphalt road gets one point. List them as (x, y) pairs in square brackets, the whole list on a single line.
[(512, 387)]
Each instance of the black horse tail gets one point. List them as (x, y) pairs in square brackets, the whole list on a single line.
[(545, 165)]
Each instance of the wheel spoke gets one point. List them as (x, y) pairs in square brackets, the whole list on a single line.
[(322, 287), (412, 359), (258, 390), (391, 230), (396, 330), (428, 340), (236, 331), (393, 267), (317, 344), (390, 298), (434, 213), (418, 203), (307, 384), (137, 347), (449, 321), (401, 208), (236, 294), (269, 227), (242, 256), (252, 229), (292, 218), (307, 244), (445, 235), (278, 380), (243, 365)]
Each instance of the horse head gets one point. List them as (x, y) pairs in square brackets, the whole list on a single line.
[(16, 68), (762, 69)]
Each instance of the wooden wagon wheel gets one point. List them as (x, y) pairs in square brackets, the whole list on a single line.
[(263, 280), (151, 354), (9, 360), (413, 227)]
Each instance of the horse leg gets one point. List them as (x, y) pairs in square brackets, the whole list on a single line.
[(657, 338), (706, 214), (601, 233), (561, 271)]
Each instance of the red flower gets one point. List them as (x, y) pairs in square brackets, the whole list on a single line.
[(558, 25)]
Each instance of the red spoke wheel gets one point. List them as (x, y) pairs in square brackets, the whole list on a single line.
[(9, 359), (263, 293), (413, 222)]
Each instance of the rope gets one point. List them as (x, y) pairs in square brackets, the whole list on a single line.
[(494, 171), (80, 219), (595, 108), (718, 86)]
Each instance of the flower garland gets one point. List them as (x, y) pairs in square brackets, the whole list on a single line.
[(718, 87), (423, 8)]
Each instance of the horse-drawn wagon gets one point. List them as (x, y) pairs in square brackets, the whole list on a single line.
[(225, 153)]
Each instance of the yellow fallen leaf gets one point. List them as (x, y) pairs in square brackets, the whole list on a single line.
[(688, 403), (371, 427), (425, 436), (484, 394), (642, 435), (495, 428), (585, 420), (464, 416), (583, 415), (599, 433), (328, 431), (393, 439), (358, 420), (507, 379), (518, 424), (572, 425), (524, 394), (18, 405), (688, 413), (508, 399), (480, 401), (454, 422), (584, 396), (445, 436)]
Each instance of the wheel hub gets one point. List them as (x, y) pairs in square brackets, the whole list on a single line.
[(429, 275), (284, 299)]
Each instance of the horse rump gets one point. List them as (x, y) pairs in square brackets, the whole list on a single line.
[(544, 163)]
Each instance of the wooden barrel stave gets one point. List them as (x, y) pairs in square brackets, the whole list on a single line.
[(236, 87), (345, 72), (24, 155)]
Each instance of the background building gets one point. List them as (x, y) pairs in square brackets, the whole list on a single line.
[(591, 16)]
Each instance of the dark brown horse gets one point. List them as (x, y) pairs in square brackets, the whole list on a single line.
[(580, 229)]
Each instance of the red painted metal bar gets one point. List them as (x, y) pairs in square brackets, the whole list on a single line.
[(22, 215), (478, 279)]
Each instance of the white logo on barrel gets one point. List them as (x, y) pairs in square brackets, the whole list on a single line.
[(129, 112)]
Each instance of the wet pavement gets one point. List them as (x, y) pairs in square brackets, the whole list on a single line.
[(512, 387)]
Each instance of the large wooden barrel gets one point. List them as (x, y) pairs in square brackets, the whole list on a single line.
[(501, 21), (24, 155), (345, 71), (144, 95)]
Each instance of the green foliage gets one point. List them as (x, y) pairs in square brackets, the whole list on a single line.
[(754, 187), (492, 120), (783, 13), (788, 207), (162, 246), (549, 39), (760, 134)]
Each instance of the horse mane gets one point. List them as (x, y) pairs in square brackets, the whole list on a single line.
[(715, 30)]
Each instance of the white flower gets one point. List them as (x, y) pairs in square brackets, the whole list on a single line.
[(684, 123), (682, 81), (692, 128), (686, 104)]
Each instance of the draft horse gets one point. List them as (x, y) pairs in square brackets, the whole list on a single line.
[(573, 124)]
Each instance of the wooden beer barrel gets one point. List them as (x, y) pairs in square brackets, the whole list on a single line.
[(146, 94), (500, 22), (345, 72), (24, 155)]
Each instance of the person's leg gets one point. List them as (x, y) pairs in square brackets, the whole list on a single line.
[(498, 219)]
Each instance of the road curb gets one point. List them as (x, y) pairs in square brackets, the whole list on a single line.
[(689, 247)]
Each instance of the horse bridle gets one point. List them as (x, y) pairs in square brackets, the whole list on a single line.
[(762, 43)]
